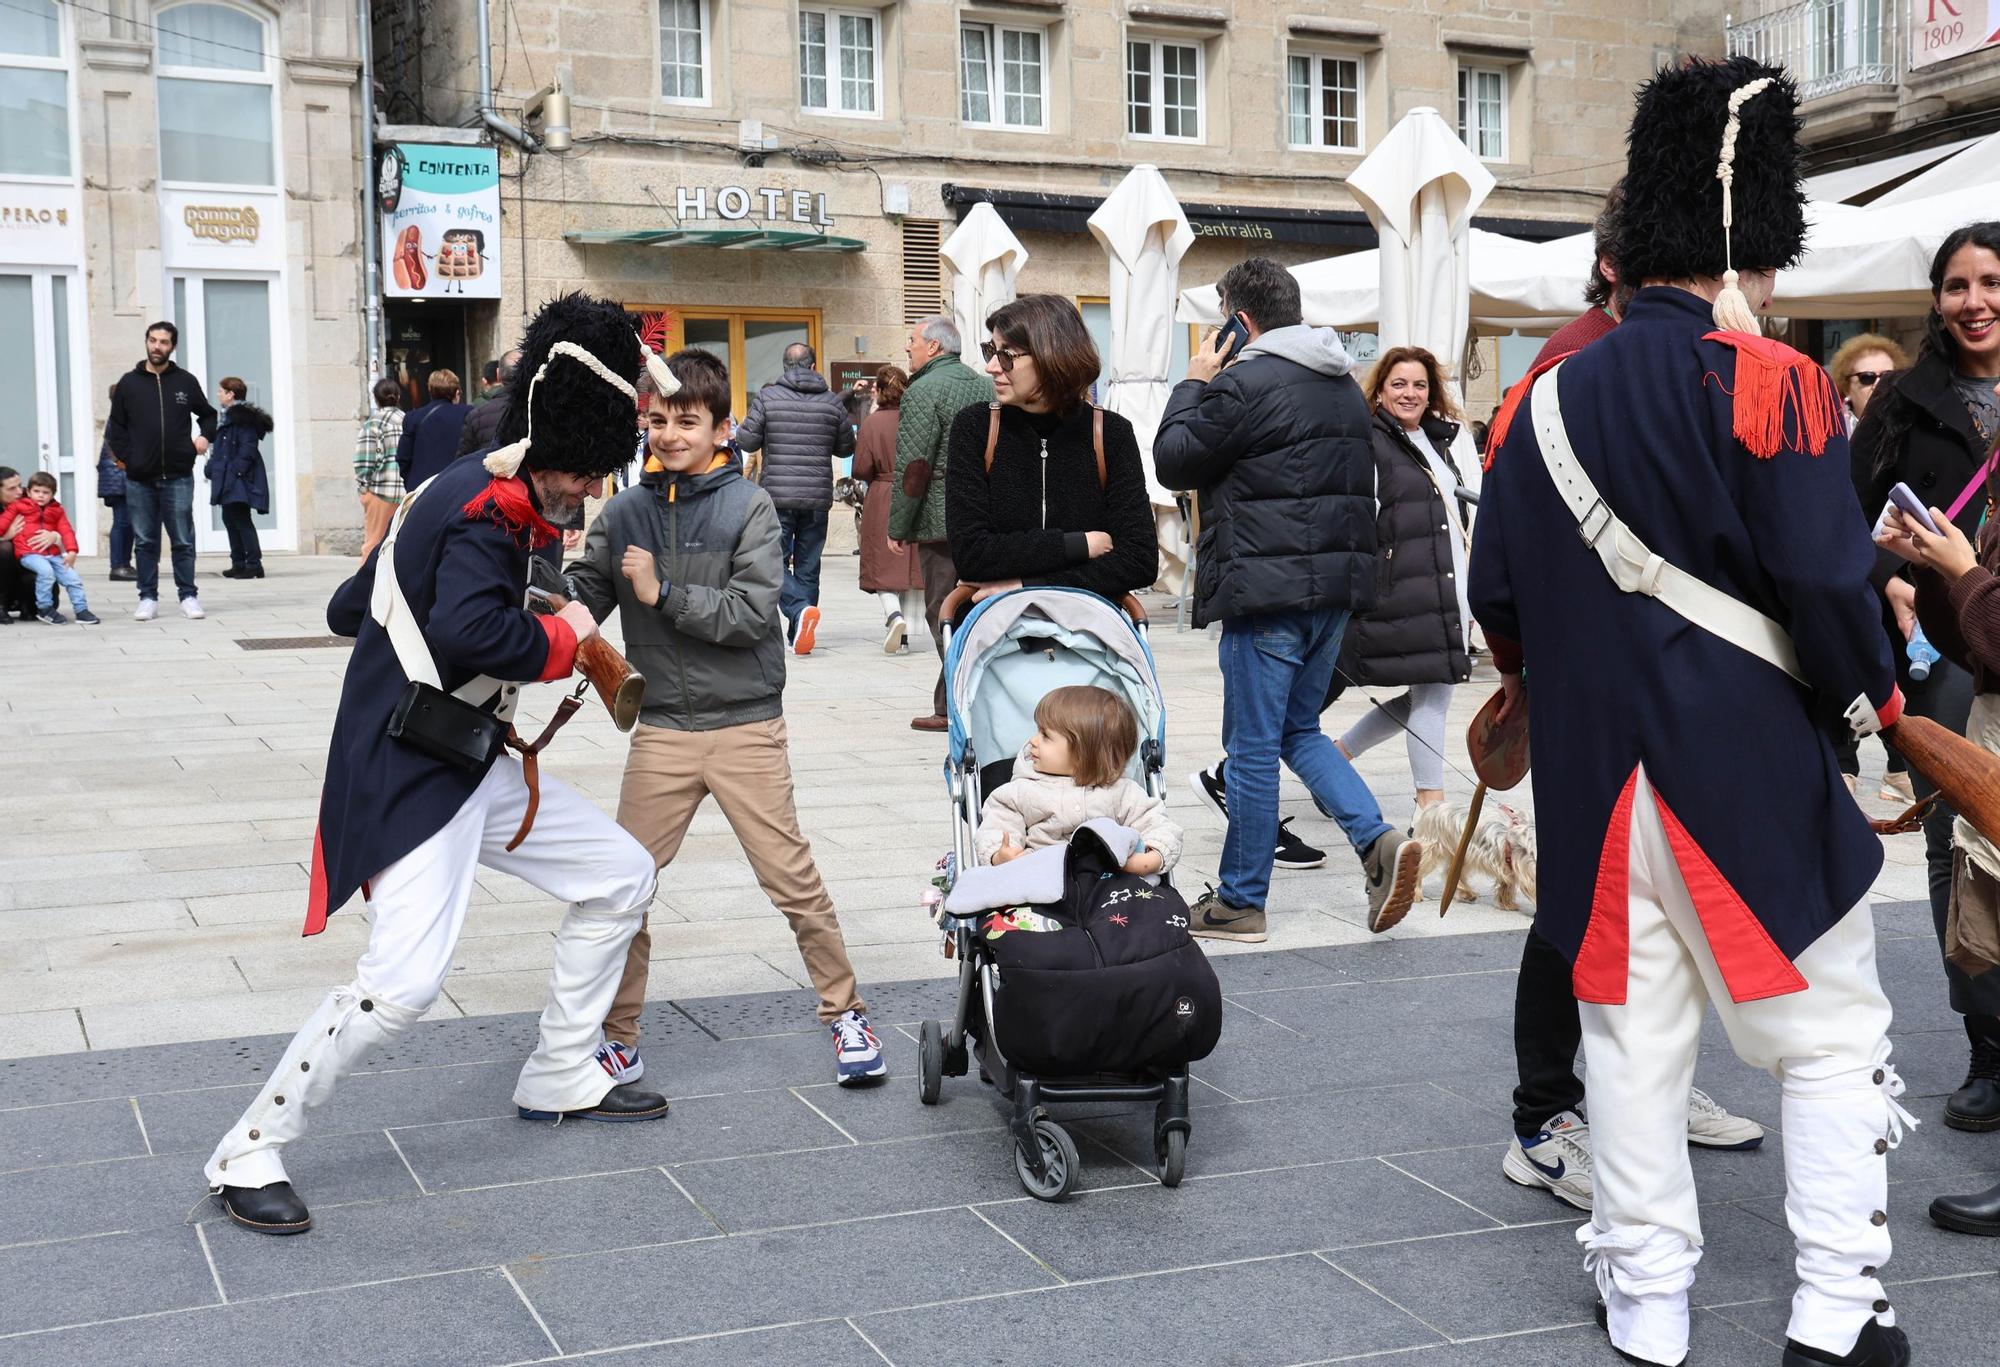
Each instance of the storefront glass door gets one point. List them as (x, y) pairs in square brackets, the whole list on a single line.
[(227, 329), (38, 399), (751, 342)]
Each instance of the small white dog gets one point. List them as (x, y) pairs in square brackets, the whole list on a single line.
[(1502, 849)]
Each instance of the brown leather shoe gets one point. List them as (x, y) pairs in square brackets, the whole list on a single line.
[(930, 723)]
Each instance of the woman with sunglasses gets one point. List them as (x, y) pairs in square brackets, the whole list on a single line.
[(1930, 427), (1041, 513), (1860, 367)]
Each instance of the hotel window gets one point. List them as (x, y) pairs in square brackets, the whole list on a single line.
[(1323, 101), (34, 91), (215, 87), (684, 51), (1163, 89), (839, 54), (1482, 111), (1002, 77)]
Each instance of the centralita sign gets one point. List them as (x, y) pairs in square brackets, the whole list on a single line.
[(769, 204)]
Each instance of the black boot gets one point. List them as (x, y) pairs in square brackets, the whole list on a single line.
[(1976, 1105), (1877, 1347), (275, 1209), (624, 1102), (1975, 1214)]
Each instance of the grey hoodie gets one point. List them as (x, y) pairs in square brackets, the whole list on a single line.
[(713, 650), (1315, 348)]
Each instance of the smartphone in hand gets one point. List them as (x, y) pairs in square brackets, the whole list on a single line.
[(1232, 338), (1914, 509)]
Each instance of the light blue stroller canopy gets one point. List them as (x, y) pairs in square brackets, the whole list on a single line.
[(1014, 648)]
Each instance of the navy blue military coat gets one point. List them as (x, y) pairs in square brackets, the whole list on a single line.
[(463, 565), (1772, 846)]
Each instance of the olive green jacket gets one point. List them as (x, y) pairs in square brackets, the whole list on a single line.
[(937, 394)]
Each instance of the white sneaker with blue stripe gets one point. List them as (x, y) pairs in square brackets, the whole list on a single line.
[(621, 1061), (857, 1054), (1557, 1159)]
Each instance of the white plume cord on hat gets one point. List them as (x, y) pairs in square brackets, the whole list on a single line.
[(506, 461), (1732, 311)]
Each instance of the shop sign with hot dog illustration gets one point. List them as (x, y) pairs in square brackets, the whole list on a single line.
[(440, 221)]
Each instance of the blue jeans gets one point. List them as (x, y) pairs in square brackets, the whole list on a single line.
[(1275, 671), (154, 504), (49, 571), (121, 534), (802, 536)]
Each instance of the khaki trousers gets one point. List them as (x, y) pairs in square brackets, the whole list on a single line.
[(749, 770), (376, 513)]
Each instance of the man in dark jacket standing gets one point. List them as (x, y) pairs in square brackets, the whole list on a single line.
[(1278, 450), (482, 422), (430, 434), (150, 431), (800, 425)]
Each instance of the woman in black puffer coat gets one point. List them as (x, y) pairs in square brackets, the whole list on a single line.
[(1414, 637)]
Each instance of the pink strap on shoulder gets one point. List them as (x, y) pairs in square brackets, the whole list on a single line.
[(1965, 495)]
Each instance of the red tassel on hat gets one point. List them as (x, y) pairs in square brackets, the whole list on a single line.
[(1782, 398), (1496, 432), (505, 503)]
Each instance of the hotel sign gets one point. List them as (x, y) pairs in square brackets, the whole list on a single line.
[(768, 204)]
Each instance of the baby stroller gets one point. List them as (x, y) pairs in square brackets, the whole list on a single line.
[(1007, 653)]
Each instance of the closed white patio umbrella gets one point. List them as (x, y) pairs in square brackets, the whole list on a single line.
[(985, 257)]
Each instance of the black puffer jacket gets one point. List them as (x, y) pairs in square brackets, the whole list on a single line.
[(800, 426), (1415, 633), (1011, 525), (1278, 448)]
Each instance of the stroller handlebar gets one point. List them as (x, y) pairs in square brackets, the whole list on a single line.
[(961, 597)]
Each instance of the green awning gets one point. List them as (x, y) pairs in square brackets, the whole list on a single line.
[(728, 239)]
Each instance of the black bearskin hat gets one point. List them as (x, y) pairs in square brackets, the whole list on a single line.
[(1672, 218), (583, 425)]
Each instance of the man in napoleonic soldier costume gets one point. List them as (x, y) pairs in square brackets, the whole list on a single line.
[(1685, 649), (419, 792)]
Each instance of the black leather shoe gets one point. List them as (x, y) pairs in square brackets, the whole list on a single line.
[(1604, 1323), (1877, 1347), (622, 1103), (235, 572), (275, 1209), (1976, 1105), (124, 576), (1975, 1214)]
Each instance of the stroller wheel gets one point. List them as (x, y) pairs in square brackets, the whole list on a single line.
[(1171, 1148), (1060, 1165), (930, 1062)]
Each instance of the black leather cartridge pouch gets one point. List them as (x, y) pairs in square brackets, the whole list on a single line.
[(433, 722)]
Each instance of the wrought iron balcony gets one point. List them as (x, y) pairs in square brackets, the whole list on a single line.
[(1828, 45)]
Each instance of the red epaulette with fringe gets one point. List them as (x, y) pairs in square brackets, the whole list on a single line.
[(1496, 433), (505, 503), (1782, 397)]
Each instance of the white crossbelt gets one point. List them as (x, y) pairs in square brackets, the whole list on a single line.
[(391, 610)]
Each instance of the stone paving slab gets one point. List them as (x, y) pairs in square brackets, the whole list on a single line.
[(775, 1217)]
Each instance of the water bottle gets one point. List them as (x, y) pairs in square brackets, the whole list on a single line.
[(1922, 655)]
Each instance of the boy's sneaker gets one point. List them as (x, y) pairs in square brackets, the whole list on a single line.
[(1207, 785), (191, 608), (898, 631), (1557, 1159), (1294, 853), (1211, 918), (148, 609), (51, 617), (802, 639), (621, 1061), (1391, 865), (857, 1054), (1714, 1128), (88, 618)]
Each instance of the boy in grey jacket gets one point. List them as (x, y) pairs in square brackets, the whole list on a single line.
[(690, 559)]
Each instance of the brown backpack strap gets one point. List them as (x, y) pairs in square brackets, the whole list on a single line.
[(1097, 445), (992, 433)]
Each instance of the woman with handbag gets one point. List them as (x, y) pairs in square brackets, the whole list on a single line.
[(1932, 431), (1414, 637)]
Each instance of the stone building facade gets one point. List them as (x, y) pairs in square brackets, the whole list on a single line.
[(196, 162)]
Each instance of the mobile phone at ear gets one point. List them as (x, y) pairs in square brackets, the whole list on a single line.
[(1913, 507), (1232, 338)]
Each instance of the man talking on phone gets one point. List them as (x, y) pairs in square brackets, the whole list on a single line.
[(1278, 451)]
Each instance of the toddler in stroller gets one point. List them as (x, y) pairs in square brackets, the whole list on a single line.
[(1077, 979)]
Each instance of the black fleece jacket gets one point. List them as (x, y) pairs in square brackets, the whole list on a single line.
[(1009, 525), (151, 427)]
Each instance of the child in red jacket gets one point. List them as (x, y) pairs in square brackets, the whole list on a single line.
[(39, 512)]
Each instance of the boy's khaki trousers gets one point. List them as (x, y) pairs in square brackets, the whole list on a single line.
[(749, 770)]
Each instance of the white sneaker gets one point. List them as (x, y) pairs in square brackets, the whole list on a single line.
[(191, 609), (898, 629), (1557, 1159), (622, 1062), (148, 609), (1714, 1128)]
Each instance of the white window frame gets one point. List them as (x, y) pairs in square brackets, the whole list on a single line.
[(1316, 99), (1155, 43), (267, 77), (705, 18), (996, 78), (832, 15), (1473, 134), (60, 63)]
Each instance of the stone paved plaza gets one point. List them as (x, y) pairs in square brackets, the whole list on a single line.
[(1343, 1197)]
